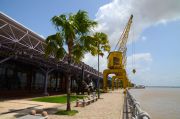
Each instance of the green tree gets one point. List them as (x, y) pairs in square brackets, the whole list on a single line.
[(71, 40), (100, 44)]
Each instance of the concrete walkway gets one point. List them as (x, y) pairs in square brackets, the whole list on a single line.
[(110, 106), (13, 109)]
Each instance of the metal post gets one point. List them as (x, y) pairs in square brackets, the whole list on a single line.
[(98, 75)]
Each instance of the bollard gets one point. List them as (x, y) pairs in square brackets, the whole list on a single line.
[(77, 103), (84, 103), (33, 112), (44, 114)]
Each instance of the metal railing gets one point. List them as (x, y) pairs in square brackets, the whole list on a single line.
[(134, 107)]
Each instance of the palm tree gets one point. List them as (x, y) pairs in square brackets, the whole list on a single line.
[(70, 40), (101, 44)]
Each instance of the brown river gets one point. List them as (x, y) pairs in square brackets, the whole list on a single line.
[(159, 103)]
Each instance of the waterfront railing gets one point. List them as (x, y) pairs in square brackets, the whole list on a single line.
[(133, 109)]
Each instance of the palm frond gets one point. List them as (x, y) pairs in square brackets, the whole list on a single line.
[(55, 46), (59, 21), (60, 53), (106, 48), (82, 22), (78, 52), (73, 30)]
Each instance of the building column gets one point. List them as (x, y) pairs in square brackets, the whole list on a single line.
[(56, 76), (64, 83), (46, 83), (29, 79), (61, 82)]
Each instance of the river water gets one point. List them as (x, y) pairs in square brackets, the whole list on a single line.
[(160, 103)]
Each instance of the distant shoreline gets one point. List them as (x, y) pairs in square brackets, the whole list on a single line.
[(162, 86)]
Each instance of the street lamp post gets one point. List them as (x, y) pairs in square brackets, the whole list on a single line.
[(98, 75)]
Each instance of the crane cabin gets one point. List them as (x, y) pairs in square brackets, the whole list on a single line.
[(115, 60)]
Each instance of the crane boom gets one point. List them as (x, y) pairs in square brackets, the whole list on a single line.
[(124, 36), (123, 41)]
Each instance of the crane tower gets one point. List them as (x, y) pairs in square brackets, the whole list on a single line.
[(117, 60)]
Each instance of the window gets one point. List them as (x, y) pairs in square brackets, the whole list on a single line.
[(115, 61), (39, 83), (23, 79)]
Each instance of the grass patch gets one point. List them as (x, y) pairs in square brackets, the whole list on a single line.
[(64, 112), (101, 91), (57, 99)]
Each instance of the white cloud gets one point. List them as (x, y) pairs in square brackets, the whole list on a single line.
[(93, 61), (112, 18), (140, 57), (140, 61)]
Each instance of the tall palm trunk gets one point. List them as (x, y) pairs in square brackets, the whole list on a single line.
[(68, 93), (70, 44), (69, 85)]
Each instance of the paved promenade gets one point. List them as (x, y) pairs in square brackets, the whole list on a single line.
[(110, 106)]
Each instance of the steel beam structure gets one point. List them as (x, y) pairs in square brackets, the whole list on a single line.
[(29, 47)]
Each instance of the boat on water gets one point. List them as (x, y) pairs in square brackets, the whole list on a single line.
[(139, 87)]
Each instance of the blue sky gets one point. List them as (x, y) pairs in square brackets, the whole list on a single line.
[(36, 14), (156, 32), (163, 42)]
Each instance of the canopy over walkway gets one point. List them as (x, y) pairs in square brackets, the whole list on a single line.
[(20, 43)]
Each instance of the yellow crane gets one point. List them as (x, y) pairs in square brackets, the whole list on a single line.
[(117, 60)]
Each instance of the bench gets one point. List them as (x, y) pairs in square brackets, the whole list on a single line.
[(86, 101)]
